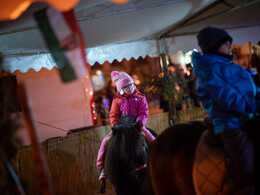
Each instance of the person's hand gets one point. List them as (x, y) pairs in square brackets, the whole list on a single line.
[(118, 126), (138, 125)]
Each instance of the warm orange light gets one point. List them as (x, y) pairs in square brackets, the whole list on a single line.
[(12, 9), (62, 5), (120, 1), (20, 9)]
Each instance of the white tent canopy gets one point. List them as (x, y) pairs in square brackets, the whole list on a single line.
[(120, 51), (131, 30), (127, 51), (97, 54)]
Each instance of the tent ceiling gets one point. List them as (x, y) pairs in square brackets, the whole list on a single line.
[(102, 22), (239, 18), (228, 15), (109, 27)]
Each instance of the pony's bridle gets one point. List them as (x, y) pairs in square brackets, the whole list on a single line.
[(140, 167)]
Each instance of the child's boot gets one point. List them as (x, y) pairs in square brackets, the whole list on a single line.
[(102, 174)]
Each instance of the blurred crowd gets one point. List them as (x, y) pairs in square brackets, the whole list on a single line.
[(185, 94)]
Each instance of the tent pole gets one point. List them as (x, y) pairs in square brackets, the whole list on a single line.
[(163, 60), (164, 65)]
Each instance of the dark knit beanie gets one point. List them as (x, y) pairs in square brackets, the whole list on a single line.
[(211, 38)]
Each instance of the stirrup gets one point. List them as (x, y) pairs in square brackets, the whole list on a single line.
[(102, 176)]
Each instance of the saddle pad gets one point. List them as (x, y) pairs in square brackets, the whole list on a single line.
[(209, 169)]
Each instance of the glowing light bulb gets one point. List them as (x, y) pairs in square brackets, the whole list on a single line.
[(187, 59), (99, 72)]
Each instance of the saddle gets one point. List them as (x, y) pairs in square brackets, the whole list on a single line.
[(209, 164)]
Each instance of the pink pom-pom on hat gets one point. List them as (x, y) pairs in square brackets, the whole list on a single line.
[(121, 79)]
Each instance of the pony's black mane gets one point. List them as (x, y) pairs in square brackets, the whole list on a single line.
[(124, 153)]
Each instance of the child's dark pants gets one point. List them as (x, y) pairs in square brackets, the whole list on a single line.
[(240, 162)]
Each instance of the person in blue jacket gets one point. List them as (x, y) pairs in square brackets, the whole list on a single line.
[(229, 97)]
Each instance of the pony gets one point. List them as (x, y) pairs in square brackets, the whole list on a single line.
[(172, 154), (125, 159)]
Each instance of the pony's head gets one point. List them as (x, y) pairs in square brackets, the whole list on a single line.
[(129, 141), (125, 152), (120, 127)]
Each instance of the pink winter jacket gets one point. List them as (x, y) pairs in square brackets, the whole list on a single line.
[(129, 108)]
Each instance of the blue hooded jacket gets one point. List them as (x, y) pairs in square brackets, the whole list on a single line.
[(227, 91)]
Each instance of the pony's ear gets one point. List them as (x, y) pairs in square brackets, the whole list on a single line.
[(114, 130), (138, 125)]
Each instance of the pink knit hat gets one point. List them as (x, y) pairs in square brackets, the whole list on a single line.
[(121, 79)]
